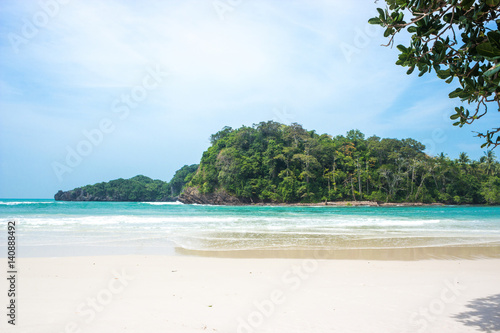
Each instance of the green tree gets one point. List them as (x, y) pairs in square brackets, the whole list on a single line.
[(138, 188), (491, 191), (464, 160), (181, 178), (488, 162), (272, 162), (458, 40)]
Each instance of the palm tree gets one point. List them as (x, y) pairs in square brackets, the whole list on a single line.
[(488, 162), (464, 160)]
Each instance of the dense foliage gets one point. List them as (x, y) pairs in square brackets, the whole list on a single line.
[(181, 178), (271, 162), (458, 39), (138, 188)]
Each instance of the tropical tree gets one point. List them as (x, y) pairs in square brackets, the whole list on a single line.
[(491, 191), (458, 40), (488, 162), (271, 162)]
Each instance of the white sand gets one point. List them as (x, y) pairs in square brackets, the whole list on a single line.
[(190, 294)]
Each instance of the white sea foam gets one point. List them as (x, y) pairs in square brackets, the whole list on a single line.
[(13, 203), (276, 223), (163, 203), (237, 233)]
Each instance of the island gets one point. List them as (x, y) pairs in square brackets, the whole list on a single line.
[(138, 188), (274, 163)]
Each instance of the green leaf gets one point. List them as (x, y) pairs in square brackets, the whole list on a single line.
[(487, 50), (455, 93), (494, 38), (375, 20), (388, 32), (466, 4), (492, 3), (492, 71), (381, 12), (454, 116), (412, 29), (401, 48), (443, 74)]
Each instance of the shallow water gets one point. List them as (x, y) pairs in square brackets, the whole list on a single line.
[(48, 227)]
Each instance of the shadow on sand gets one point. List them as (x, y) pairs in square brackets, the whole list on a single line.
[(482, 313)]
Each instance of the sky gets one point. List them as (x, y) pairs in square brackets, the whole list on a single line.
[(97, 90)]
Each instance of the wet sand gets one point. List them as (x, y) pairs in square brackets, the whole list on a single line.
[(477, 251)]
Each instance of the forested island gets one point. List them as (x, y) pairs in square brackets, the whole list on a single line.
[(138, 188), (275, 163)]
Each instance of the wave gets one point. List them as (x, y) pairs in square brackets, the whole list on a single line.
[(237, 232), (163, 203), (238, 223), (13, 203)]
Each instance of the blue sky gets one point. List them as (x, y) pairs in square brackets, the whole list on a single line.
[(92, 91)]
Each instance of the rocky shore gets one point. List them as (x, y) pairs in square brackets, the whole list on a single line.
[(192, 195)]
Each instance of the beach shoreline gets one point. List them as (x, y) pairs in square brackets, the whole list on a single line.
[(92, 268), (350, 204), (362, 203), (347, 203), (415, 253)]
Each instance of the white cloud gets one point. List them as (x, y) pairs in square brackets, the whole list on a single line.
[(265, 55)]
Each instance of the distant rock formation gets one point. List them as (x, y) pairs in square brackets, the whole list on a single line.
[(192, 195)]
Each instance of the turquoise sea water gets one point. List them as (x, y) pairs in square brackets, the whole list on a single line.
[(48, 227)]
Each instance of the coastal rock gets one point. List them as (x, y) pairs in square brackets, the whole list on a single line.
[(192, 195)]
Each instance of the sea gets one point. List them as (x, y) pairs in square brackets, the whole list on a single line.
[(47, 228)]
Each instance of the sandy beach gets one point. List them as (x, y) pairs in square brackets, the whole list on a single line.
[(195, 294)]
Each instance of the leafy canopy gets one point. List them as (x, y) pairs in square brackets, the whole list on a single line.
[(458, 40), (272, 162), (138, 188)]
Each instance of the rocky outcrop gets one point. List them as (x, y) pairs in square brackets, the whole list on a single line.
[(192, 195)]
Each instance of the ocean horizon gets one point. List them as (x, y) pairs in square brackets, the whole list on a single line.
[(46, 227)]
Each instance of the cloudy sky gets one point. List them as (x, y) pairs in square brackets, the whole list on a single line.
[(97, 90)]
